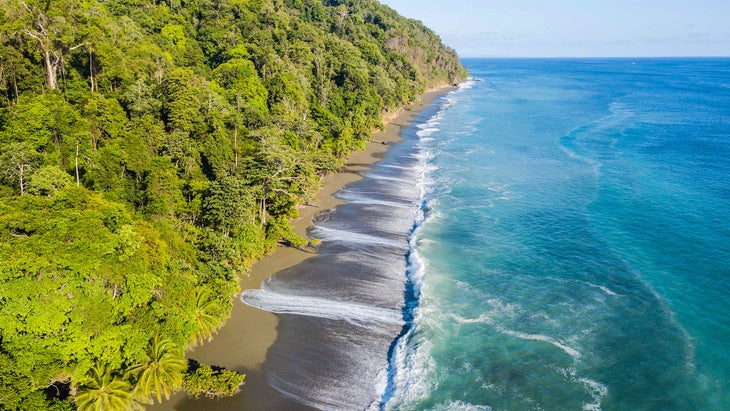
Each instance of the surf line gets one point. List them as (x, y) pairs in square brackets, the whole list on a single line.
[(414, 267), (411, 298)]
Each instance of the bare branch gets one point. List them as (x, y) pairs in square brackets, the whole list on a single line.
[(282, 191), (77, 46), (32, 34), (283, 170), (25, 5)]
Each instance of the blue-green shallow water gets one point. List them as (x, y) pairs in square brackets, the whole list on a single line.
[(575, 251)]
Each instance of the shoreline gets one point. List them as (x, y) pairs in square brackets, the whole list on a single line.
[(242, 343)]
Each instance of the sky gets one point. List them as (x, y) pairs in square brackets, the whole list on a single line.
[(576, 28)]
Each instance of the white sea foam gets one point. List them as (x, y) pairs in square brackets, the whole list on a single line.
[(354, 313), (460, 406), (381, 385), (378, 176), (584, 159), (410, 366), (487, 319), (361, 199), (462, 285), (605, 289), (433, 121), (416, 272), (469, 83), (316, 398), (414, 366), (396, 166), (426, 132), (539, 337), (497, 188), (467, 131), (415, 265), (597, 391), (602, 288), (346, 236)]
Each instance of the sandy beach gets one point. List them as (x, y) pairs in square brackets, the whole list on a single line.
[(243, 342)]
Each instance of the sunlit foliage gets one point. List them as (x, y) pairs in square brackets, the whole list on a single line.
[(150, 151)]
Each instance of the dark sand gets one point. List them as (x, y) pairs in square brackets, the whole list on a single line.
[(243, 341)]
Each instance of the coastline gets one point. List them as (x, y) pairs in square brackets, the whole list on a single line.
[(242, 343)]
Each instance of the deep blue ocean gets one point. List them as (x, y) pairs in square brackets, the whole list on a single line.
[(553, 235), (575, 252)]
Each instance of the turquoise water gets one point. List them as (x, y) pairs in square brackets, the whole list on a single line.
[(573, 250)]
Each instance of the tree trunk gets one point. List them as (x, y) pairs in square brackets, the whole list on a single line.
[(235, 147), (94, 87), (51, 67), (77, 164), (263, 212), (15, 87), (21, 177)]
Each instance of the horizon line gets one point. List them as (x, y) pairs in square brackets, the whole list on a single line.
[(594, 57)]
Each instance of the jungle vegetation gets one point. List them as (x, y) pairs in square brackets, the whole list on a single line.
[(150, 151)]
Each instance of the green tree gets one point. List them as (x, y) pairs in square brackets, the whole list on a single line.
[(229, 205), (53, 26), (281, 176), (212, 382), (106, 119), (17, 162), (161, 373), (218, 152), (140, 99), (162, 189), (181, 108), (16, 72), (15, 387), (104, 391), (243, 89), (48, 180), (207, 315), (51, 125)]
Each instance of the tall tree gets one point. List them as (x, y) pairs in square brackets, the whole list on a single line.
[(281, 175), (161, 373), (229, 205), (17, 162), (207, 315), (55, 26), (243, 89)]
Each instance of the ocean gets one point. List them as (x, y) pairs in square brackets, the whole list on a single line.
[(553, 235)]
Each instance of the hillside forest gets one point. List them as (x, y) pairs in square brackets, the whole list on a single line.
[(150, 151)]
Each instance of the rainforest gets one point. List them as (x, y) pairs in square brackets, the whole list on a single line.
[(150, 151)]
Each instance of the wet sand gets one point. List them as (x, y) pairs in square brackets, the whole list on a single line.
[(244, 340)]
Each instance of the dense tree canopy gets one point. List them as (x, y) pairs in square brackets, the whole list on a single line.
[(149, 152)]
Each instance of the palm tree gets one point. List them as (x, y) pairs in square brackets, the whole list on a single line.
[(105, 392), (207, 321), (161, 373)]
